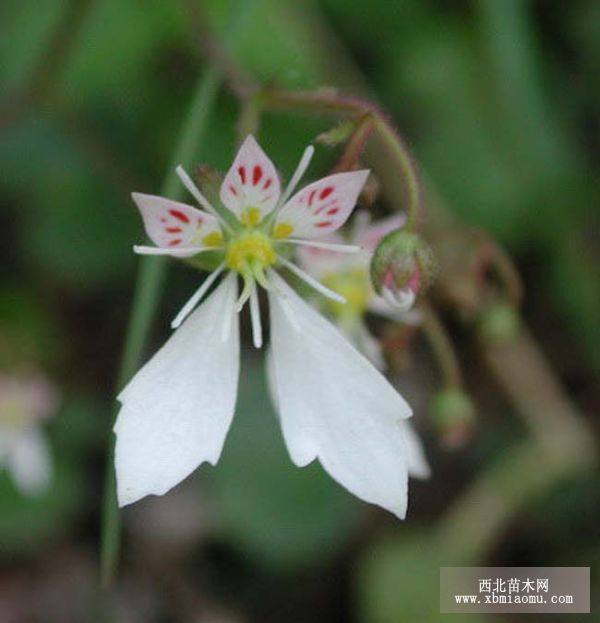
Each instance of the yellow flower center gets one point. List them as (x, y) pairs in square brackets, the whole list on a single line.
[(354, 286), (250, 251)]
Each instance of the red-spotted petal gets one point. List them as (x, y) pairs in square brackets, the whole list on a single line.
[(320, 262), (173, 225), (370, 236), (251, 182), (322, 207)]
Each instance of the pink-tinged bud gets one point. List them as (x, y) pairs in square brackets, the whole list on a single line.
[(453, 415), (402, 267)]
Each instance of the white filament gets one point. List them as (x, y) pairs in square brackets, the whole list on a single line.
[(298, 173), (176, 252), (255, 317), (197, 296), (319, 287), (340, 248), (195, 191)]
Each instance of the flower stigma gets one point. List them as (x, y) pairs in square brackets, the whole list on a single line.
[(250, 253)]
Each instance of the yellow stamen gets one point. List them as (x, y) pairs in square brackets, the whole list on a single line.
[(250, 217), (282, 230), (214, 239)]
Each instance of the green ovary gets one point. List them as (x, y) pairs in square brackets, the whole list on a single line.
[(250, 252)]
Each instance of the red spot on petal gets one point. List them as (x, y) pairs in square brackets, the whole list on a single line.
[(414, 281), (326, 192), (173, 230), (333, 211), (256, 174), (242, 174), (174, 243), (179, 215), (232, 190), (267, 183), (311, 197), (323, 224), (388, 279)]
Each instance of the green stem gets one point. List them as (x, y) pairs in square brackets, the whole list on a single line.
[(44, 80), (442, 348), (329, 101), (355, 145)]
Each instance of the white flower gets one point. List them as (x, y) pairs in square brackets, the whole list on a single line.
[(348, 275), (333, 404), (24, 451)]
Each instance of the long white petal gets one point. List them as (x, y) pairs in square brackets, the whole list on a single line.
[(29, 462), (368, 345), (335, 406), (178, 408), (359, 335)]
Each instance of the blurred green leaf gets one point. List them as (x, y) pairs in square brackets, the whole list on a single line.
[(398, 581), (283, 516)]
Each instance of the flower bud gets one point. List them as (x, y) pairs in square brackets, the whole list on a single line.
[(453, 415), (338, 134), (403, 265)]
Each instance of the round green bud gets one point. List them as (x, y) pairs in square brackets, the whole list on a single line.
[(453, 414), (402, 260)]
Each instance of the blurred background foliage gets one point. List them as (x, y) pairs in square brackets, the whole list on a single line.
[(498, 100)]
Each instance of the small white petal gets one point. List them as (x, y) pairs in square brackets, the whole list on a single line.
[(178, 408), (336, 406), (174, 225), (323, 206), (29, 462), (401, 300), (369, 236), (251, 182)]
